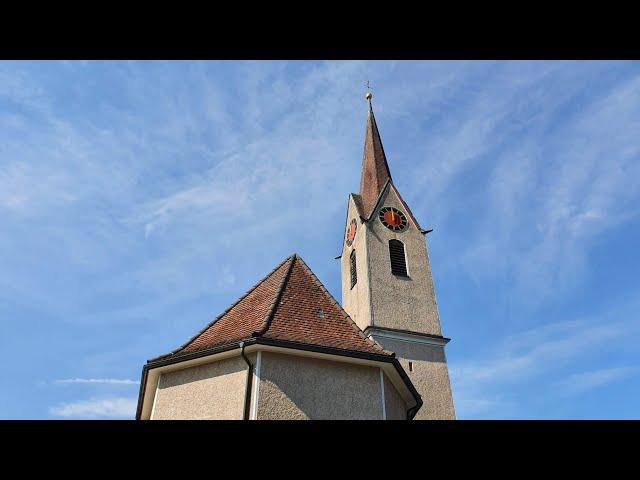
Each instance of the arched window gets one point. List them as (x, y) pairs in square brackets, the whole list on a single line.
[(352, 262), (398, 261)]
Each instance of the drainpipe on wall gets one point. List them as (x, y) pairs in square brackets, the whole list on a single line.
[(247, 399), (412, 411)]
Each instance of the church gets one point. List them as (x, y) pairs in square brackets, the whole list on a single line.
[(287, 350)]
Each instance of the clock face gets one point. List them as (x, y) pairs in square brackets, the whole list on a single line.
[(351, 232), (393, 219)]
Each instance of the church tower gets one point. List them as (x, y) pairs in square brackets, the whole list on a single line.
[(387, 287)]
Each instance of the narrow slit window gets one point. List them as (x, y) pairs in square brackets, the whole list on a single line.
[(398, 261), (411, 366), (354, 274)]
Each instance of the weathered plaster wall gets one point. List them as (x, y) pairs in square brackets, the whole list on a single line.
[(212, 391), (396, 408), (355, 300), (293, 387), (400, 302), (430, 376)]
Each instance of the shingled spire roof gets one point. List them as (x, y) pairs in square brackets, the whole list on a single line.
[(375, 171), (288, 304)]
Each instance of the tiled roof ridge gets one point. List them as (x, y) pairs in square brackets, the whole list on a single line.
[(266, 323), (223, 313), (350, 321)]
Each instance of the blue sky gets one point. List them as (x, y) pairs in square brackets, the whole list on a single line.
[(139, 199)]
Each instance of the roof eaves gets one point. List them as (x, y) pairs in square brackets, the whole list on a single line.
[(170, 360), (382, 357)]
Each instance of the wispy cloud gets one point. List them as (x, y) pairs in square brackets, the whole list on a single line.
[(107, 381), (494, 384), (120, 407), (473, 406), (579, 383), (147, 196), (559, 167), (533, 352)]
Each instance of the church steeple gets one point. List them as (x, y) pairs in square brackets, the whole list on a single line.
[(375, 170), (387, 286)]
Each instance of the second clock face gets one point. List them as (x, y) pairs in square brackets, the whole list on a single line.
[(393, 219), (351, 232)]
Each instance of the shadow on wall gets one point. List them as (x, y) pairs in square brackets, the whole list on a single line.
[(200, 373), (303, 388), (432, 355), (212, 391)]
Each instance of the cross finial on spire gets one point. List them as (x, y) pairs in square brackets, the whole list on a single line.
[(369, 95)]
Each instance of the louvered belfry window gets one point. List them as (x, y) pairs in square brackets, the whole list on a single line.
[(352, 262), (398, 261)]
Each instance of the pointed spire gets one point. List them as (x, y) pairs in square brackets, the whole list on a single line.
[(375, 171)]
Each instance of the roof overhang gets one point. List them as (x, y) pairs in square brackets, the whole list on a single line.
[(389, 364), (376, 332)]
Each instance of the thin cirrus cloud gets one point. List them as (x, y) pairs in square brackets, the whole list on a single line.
[(117, 407), (493, 384), (103, 381), (554, 183), (537, 351), (139, 199), (579, 383)]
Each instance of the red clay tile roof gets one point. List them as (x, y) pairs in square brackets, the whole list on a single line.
[(375, 170), (289, 304)]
